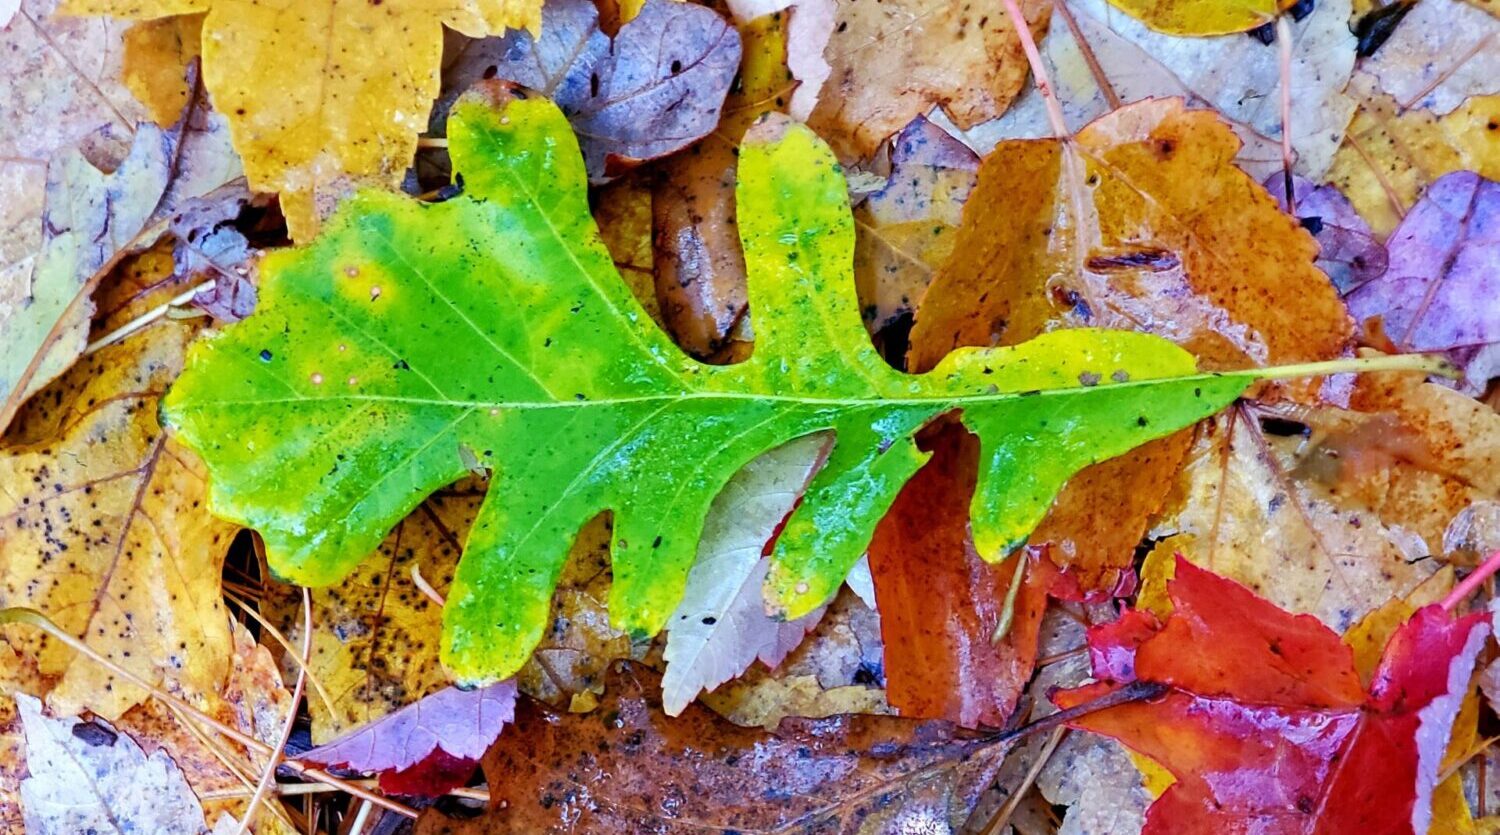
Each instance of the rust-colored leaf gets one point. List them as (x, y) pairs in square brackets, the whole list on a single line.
[(1145, 224), (629, 769)]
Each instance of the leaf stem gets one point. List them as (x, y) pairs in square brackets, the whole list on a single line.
[(1038, 70), (1461, 591), (21, 614), (1430, 363)]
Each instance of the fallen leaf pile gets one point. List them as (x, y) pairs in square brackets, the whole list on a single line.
[(1028, 417)]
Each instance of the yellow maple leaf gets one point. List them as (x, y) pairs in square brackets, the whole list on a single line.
[(325, 95)]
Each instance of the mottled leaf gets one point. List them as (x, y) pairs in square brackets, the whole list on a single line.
[(361, 404), (88, 777), (639, 772), (1390, 155), (107, 533), (904, 231), (1443, 52)]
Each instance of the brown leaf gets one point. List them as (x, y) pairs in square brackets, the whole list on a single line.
[(637, 771), (700, 268), (157, 60), (838, 668), (893, 61), (1149, 227)]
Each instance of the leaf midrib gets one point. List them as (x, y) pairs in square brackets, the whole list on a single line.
[(953, 401)]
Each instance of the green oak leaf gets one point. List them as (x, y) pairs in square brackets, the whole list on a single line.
[(412, 339)]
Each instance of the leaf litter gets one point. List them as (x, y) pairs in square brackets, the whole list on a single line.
[(1105, 192)]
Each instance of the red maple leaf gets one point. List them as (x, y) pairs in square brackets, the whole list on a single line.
[(1265, 723)]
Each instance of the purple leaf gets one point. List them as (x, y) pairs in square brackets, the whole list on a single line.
[(657, 88), (459, 723), (1349, 253), (1441, 291)]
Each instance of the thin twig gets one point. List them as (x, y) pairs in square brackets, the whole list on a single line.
[(1096, 69), (1284, 41), (1132, 692), (432, 142), (1008, 611), (280, 639), (357, 826), (269, 775), (425, 587), (1003, 814), (1461, 591), (147, 318), (19, 614), (1038, 70)]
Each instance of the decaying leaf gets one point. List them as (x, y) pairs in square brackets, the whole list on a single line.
[(1443, 52), (904, 231), (654, 89), (1441, 291), (88, 777), (1097, 57), (1137, 232), (940, 603), (1265, 724), (92, 219), (721, 627), (838, 668), (314, 143), (62, 90), (700, 268), (429, 746), (106, 532), (1389, 155), (639, 772), (893, 61), (341, 444)]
